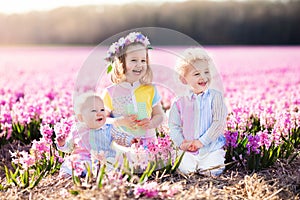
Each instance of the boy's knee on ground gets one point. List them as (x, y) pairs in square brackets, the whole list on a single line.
[(188, 163)]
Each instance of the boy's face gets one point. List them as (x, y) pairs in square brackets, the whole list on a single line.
[(136, 63), (197, 76), (93, 113)]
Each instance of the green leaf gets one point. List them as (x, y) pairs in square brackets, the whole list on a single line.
[(18, 128), (2, 188), (13, 165), (76, 179), (294, 156), (89, 175), (109, 68), (13, 177), (177, 162), (144, 175), (29, 134), (36, 182), (152, 170), (101, 176), (32, 179), (7, 174), (126, 168), (25, 178), (56, 166), (74, 192), (160, 163), (244, 142), (116, 164), (168, 166)]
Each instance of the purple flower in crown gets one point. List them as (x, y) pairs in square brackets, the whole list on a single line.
[(121, 43), (140, 37), (117, 47)]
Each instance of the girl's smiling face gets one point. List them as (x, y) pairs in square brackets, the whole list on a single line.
[(136, 62), (197, 76)]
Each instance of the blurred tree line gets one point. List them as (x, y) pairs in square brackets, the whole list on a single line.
[(208, 22)]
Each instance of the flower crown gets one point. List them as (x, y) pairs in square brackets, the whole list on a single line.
[(117, 47)]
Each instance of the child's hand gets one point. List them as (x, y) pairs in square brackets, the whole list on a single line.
[(185, 145), (128, 121), (192, 148), (144, 123), (195, 146)]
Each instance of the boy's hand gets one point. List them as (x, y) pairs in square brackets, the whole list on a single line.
[(185, 145), (195, 146)]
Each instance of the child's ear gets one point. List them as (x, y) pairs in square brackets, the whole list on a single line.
[(79, 117), (182, 79)]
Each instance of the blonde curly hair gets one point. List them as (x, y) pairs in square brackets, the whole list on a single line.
[(189, 57)]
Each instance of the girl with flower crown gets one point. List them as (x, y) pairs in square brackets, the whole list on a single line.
[(132, 102)]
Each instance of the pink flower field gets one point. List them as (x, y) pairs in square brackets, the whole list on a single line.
[(261, 89)]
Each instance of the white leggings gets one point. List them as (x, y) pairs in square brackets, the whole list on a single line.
[(191, 162)]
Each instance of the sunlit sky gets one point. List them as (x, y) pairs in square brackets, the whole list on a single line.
[(23, 6)]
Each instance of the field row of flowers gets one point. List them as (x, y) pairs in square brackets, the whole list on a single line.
[(36, 101)]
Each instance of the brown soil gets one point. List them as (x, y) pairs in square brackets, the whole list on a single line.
[(281, 181)]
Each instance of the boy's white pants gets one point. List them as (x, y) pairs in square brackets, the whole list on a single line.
[(192, 163)]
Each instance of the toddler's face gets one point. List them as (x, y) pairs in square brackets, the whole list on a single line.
[(93, 113), (198, 76), (136, 63)]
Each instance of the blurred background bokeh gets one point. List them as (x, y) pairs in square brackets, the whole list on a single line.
[(247, 22)]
